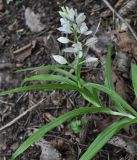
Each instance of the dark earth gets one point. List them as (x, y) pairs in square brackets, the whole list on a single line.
[(36, 50)]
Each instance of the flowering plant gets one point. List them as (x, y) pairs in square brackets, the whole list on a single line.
[(68, 77), (74, 24)]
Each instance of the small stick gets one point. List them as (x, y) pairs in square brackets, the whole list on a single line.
[(20, 116), (121, 18)]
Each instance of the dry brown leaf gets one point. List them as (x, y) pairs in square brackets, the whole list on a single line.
[(125, 143), (118, 5), (121, 87), (65, 146), (129, 7), (126, 43), (51, 44), (48, 117), (22, 53)]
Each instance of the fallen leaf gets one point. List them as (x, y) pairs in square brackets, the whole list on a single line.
[(121, 64), (125, 143), (129, 7), (121, 87), (64, 147), (126, 43), (48, 152), (51, 44), (22, 53), (33, 21)]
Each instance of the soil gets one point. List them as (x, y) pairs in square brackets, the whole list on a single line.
[(14, 35)]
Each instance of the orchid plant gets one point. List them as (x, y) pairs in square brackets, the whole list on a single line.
[(73, 25), (67, 76)]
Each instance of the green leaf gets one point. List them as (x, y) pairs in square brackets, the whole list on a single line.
[(48, 67), (104, 137), (114, 96), (75, 126), (108, 75), (134, 77), (56, 122), (55, 68), (40, 87), (49, 77), (90, 97)]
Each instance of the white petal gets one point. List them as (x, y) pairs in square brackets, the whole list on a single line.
[(65, 29), (63, 40), (91, 59), (69, 50), (77, 46), (91, 41), (60, 59), (88, 32), (83, 28), (63, 14), (63, 21), (80, 18), (71, 14)]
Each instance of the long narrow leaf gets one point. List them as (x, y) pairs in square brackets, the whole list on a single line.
[(134, 77), (55, 68), (114, 96), (49, 77), (108, 76), (56, 122), (104, 137), (48, 67), (40, 87), (90, 97)]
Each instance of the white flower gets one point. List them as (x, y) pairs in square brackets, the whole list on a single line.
[(91, 59), (83, 28), (80, 18), (91, 42), (68, 13), (60, 59), (63, 40), (71, 14), (77, 47), (65, 28), (64, 21)]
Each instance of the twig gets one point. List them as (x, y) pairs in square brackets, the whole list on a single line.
[(20, 116), (121, 18)]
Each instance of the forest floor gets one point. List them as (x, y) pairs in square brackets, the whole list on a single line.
[(26, 43)]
